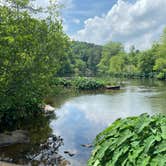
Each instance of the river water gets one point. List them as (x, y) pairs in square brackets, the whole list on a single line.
[(80, 117)]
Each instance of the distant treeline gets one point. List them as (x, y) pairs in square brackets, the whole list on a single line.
[(86, 59), (82, 60)]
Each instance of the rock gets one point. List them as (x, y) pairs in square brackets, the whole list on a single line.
[(87, 145), (14, 137), (49, 109), (64, 163), (7, 164), (71, 154), (113, 87)]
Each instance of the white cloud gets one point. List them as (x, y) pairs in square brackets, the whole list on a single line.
[(138, 24), (68, 4), (76, 21)]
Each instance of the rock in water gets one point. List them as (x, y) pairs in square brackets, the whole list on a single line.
[(71, 154), (14, 137), (87, 145)]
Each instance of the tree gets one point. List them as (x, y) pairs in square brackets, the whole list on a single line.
[(85, 57), (32, 51), (146, 62), (160, 63), (117, 64), (109, 50)]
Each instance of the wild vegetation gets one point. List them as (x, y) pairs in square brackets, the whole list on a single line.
[(137, 141), (114, 61), (31, 52), (88, 84), (35, 54), (80, 83), (85, 58)]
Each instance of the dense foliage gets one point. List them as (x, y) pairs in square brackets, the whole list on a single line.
[(80, 83), (133, 141), (87, 84), (150, 63), (31, 53), (112, 60), (84, 58)]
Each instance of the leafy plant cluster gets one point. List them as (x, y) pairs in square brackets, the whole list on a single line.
[(59, 81), (79, 83), (134, 141), (87, 84)]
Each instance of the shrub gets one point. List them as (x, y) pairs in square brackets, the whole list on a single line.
[(87, 84), (62, 82), (132, 141)]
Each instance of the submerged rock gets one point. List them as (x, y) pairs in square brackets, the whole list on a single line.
[(87, 145), (14, 137), (64, 163), (70, 153)]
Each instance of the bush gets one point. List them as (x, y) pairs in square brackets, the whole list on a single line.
[(62, 82), (87, 84), (133, 141), (79, 83)]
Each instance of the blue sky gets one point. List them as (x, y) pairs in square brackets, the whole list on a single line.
[(81, 10), (131, 22)]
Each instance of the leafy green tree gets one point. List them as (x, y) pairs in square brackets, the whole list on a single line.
[(146, 62), (109, 50), (85, 57), (32, 51), (117, 64), (160, 67), (160, 63)]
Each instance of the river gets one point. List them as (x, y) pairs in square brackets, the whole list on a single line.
[(80, 117)]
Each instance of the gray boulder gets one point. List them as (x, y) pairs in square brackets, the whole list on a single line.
[(14, 137)]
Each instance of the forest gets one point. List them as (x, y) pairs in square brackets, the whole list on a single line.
[(88, 59), (35, 53)]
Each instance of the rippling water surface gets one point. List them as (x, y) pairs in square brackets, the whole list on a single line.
[(81, 118)]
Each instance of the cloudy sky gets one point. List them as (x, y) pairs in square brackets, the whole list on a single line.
[(132, 22)]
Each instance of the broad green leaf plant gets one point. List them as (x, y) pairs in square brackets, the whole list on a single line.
[(134, 141)]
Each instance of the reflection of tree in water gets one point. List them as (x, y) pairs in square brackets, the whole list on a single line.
[(48, 153), (43, 146)]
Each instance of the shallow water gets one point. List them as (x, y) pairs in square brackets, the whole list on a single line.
[(80, 117)]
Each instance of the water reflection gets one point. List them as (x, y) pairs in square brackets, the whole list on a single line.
[(82, 117), (39, 130)]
